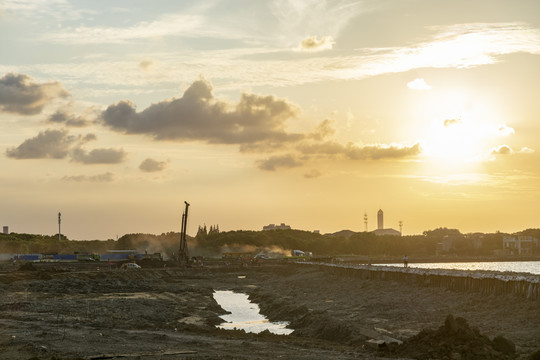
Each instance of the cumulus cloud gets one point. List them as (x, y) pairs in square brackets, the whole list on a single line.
[(58, 144), (98, 156), (198, 116), (151, 165), (312, 43), (48, 144), (279, 161), (68, 118), (105, 177), (418, 84), (20, 94)]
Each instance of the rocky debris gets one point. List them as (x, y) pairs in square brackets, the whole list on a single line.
[(454, 340)]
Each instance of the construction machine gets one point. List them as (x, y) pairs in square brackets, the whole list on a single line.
[(183, 254)]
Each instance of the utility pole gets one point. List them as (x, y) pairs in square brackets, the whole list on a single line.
[(59, 231)]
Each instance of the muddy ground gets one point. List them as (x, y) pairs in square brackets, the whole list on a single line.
[(56, 313)]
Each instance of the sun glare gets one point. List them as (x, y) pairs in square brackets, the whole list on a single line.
[(455, 141)]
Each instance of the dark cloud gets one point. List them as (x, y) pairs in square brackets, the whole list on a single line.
[(66, 118), (151, 165), (106, 177), (20, 94), (198, 116), (381, 151), (98, 156), (280, 161), (365, 152), (48, 144), (58, 144)]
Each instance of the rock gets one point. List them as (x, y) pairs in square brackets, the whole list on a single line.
[(450, 324), (503, 345)]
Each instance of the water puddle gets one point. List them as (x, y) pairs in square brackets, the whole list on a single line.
[(245, 315)]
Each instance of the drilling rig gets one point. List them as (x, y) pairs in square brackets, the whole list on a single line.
[(183, 254)]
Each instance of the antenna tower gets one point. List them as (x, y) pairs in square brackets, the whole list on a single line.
[(400, 227), (365, 221)]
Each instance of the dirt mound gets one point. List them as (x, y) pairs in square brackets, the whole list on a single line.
[(454, 340), (27, 267)]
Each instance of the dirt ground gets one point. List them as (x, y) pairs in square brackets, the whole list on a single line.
[(171, 314)]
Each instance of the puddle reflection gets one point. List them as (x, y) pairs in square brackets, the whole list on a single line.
[(245, 315)]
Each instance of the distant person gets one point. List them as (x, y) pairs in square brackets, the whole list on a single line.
[(405, 261)]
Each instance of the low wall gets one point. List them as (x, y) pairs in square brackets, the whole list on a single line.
[(486, 283)]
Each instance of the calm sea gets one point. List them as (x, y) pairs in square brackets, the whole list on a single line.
[(532, 267)]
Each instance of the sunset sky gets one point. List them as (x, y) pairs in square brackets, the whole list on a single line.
[(306, 112)]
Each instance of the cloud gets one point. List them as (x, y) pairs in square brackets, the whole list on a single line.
[(502, 150), (507, 150), (452, 122), (168, 25), (505, 130), (98, 156), (312, 43), (382, 151), (418, 84), (361, 152), (279, 161), (58, 144), (151, 165), (105, 177), (48, 144), (198, 116), (67, 118), (323, 130), (20, 94), (313, 173)]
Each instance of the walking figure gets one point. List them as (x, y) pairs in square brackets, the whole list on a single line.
[(405, 261)]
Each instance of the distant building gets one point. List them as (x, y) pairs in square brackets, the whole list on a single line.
[(380, 226), (276, 227), (5, 230), (381, 232), (519, 244)]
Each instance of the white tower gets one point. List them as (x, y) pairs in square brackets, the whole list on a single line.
[(380, 222)]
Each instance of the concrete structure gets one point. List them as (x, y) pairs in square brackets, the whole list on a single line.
[(277, 227), (5, 230), (519, 244), (381, 232), (380, 220)]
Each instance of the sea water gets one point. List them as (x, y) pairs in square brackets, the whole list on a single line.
[(531, 267)]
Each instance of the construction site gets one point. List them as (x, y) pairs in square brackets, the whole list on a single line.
[(70, 312)]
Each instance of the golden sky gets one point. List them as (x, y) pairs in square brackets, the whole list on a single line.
[(305, 112)]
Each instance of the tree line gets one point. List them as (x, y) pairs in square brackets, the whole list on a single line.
[(441, 241)]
